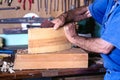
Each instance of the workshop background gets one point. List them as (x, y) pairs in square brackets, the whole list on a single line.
[(44, 9)]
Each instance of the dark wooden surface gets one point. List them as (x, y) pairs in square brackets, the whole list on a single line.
[(56, 73), (93, 69)]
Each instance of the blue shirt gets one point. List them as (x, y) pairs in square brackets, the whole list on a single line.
[(107, 13)]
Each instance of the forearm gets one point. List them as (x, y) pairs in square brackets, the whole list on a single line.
[(92, 44), (85, 43), (75, 15)]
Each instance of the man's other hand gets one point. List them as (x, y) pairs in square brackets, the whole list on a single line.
[(70, 32)]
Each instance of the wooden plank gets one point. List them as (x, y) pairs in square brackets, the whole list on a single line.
[(71, 58), (41, 40), (1, 42)]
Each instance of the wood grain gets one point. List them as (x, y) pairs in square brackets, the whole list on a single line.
[(42, 40), (71, 58)]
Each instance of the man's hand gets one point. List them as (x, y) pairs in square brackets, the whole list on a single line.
[(71, 16), (70, 32), (97, 45), (59, 21)]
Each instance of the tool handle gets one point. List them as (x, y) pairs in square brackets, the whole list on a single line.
[(24, 4), (9, 2), (0, 1), (22, 20), (10, 8), (19, 1), (4, 51), (30, 3)]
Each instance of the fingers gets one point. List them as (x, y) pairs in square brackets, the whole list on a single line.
[(56, 26), (70, 32), (58, 23), (70, 26), (88, 13), (55, 22), (70, 29)]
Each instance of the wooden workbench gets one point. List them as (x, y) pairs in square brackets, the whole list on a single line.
[(55, 74), (94, 69)]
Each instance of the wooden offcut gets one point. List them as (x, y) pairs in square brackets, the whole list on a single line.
[(1, 42), (71, 58), (42, 40)]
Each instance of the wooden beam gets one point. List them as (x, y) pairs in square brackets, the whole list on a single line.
[(71, 58), (42, 40)]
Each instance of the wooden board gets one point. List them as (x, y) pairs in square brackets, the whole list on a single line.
[(72, 58), (42, 40), (1, 42)]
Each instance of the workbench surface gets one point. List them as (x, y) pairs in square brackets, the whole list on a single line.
[(56, 73), (94, 68)]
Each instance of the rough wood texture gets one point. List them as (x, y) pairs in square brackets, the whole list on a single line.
[(72, 58), (1, 42), (42, 40)]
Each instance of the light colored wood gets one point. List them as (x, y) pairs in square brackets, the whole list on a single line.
[(1, 42), (42, 40), (82, 3), (72, 58)]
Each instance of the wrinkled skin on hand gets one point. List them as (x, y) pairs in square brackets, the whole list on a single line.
[(59, 21), (47, 24), (77, 14), (71, 16), (70, 32)]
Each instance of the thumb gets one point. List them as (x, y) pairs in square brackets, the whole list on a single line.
[(56, 27), (58, 23)]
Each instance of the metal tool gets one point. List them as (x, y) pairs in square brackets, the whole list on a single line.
[(38, 5), (54, 5), (69, 4), (10, 53), (10, 8), (9, 2), (1, 1), (50, 6), (14, 31), (24, 3), (22, 20), (65, 2), (46, 6), (75, 3), (57, 5), (72, 4), (5, 51)]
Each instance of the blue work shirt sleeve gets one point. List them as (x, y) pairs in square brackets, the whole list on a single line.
[(97, 9), (111, 32)]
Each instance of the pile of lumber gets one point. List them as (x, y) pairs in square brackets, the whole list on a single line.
[(49, 49)]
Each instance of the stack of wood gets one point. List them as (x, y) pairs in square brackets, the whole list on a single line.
[(49, 49)]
